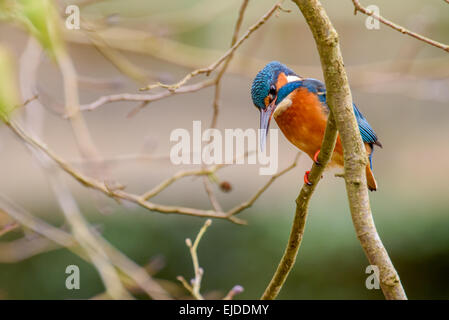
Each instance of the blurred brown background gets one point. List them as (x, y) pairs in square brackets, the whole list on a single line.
[(399, 83)]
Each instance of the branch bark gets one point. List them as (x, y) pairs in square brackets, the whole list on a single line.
[(302, 204), (339, 100)]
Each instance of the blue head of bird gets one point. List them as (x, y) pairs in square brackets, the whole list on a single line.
[(267, 94)]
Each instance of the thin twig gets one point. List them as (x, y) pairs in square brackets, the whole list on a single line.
[(21, 249), (235, 35), (359, 7), (117, 59), (233, 292), (195, 287), (211, 195), (186, 285), (207, 187), (217, 63), (259, 192), (8, 228), (146, 98), (140, 199), (27, 101), (180, 174), (192, 57), (113, 193)]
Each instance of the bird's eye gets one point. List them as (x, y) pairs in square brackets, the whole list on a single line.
[(272, 92)]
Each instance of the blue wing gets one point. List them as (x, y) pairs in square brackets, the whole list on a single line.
[(367, 133)]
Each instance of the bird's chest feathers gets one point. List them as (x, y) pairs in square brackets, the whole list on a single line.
[(301, 118)]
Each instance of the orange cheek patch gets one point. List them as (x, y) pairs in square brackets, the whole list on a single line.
[(282, 80)]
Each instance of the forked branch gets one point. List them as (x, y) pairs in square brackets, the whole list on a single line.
[(339, 99)]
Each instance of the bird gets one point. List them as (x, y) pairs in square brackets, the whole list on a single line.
[(300, 109)]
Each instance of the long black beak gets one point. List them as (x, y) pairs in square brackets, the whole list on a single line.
[(265, 118)]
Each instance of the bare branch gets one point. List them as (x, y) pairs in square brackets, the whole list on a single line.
[(339, 99), (359, 7), (116, 194), (195, 287), (253, 199), (180, 174), (24, 248), (211, 195), (302, 203), (237, 27), (8, 228), (117, 59), (147, 98), (217, 63), (233, 292), (27, 101)]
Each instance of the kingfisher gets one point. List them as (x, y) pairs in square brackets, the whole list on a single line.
[(300, 109)]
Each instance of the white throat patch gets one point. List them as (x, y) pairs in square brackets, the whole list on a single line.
[(293, 78), (285, 103)]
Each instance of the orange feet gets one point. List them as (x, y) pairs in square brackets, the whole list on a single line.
[(306, 175), (306, 178), (315, 158)]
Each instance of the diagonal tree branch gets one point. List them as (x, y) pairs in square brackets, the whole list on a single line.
[(216, 103), (226, 63), (145, 98), (140, 200), (195, 286), (339, 99), (359, 7), (93, 183), (302, 204)]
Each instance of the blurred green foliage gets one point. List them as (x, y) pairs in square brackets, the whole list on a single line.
[(330, 265), (40, 18)]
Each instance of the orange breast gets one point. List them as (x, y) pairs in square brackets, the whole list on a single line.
[(304, 123)]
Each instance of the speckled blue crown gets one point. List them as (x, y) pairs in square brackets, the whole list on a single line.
[(264, 79)]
